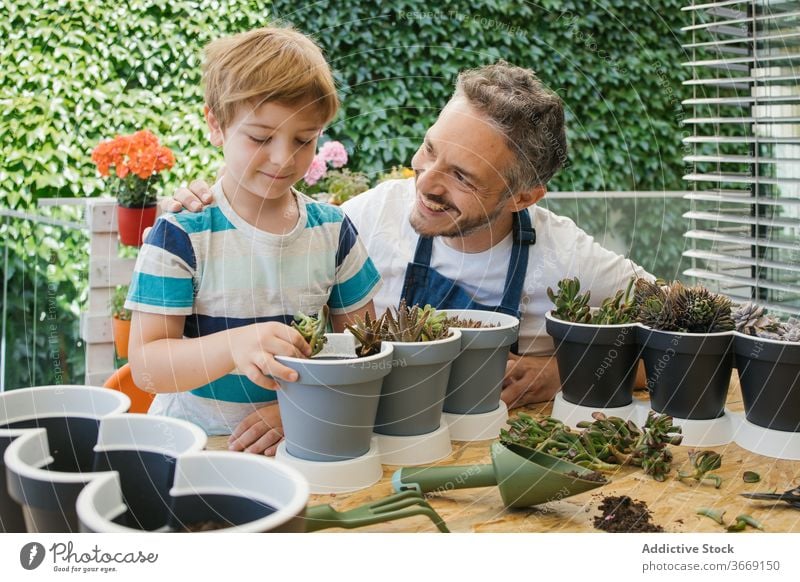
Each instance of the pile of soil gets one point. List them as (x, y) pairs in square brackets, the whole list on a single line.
[(621, 514)]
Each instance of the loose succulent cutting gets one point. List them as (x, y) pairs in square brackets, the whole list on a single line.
[(367, 332), (742, 521), (572, 305), (715, 514), (601, 445), (676, 307), (703, 463), (414, 324), (752, 319), (313, 328), (751, 477)]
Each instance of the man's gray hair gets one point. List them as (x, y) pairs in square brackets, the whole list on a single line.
[(530, 116)]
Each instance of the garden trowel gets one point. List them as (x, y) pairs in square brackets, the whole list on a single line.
[(524, 476)]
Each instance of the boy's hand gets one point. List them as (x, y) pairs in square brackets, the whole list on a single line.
[(530, 379), (255, 346), (260, 432)]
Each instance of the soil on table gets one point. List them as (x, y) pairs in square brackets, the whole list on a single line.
[(593, 476), (621, 514)]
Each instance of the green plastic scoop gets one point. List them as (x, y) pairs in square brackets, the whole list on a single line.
[(525, 477)]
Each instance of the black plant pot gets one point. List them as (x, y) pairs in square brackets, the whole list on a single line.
[(141, 449), (769, 374), (688, 374), (66, 420), (597, 363), (232, 491)]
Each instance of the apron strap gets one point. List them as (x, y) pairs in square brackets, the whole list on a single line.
[(524, 237), (422, 255)]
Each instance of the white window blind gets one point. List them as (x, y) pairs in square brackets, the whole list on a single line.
[(743, 132)]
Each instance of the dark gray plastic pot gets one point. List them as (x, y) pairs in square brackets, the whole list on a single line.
[(597, 363), (240, 493), (412, 398), (329, 413), (476, 376), (140, 448), (769, 374), (69, 416), (688, 374)]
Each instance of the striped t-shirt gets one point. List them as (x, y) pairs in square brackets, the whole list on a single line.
[(221, 273)]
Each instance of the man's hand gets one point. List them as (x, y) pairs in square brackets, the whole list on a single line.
[(530, 379), (193, 199), (260, 432)]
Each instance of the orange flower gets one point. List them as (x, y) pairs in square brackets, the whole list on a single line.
[(138, 153)]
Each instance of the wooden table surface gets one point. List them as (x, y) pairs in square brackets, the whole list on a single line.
[(672, 503)]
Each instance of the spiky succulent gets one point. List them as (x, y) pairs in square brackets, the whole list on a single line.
[(414, 324), (676, 307), (367, 332), (313, 328)]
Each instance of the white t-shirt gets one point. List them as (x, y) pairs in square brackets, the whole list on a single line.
[(381, 216)]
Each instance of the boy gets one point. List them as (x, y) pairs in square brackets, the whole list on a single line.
[(212, 292)]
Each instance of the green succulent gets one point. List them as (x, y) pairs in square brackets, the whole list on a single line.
[(570, 304), (676, 307), (414, 324), (313, 329)]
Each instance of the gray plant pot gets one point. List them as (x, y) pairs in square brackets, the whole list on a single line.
[(67, 417), (688, 374), (329, 413), (769, 373), (476, 377), (240, 493), (141, 449), (412, 398)]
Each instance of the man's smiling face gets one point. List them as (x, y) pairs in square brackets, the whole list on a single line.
[(460, 168)]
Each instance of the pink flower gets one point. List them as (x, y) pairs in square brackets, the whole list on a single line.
[(333, 152), (316, 171)]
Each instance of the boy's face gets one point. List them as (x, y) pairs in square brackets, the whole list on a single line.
[(267, 148)]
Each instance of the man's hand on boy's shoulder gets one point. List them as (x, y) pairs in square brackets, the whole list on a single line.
[(192, 198)]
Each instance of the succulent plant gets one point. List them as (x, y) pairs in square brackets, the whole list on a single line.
[(313, 329), (752, 319), (618, 309), (676, 307), (570, 303), (469, 323), (414, 324), (367, 332)]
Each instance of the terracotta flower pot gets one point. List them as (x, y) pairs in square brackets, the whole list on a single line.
[(121, 330), (133, 221)]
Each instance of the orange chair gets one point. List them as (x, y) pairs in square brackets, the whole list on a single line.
[(122, 380)]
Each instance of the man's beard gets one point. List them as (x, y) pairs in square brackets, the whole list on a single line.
[(459, 228)]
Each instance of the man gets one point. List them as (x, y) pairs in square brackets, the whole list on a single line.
[(465, 232)]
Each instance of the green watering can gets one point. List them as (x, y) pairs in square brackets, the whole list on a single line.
[(525, 477)]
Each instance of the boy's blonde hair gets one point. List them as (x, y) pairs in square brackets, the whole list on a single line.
[(267, 64)]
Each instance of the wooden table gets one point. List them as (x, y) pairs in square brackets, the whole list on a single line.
[(672, 503)]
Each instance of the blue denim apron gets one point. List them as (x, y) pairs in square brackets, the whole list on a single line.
[(424, 285)]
